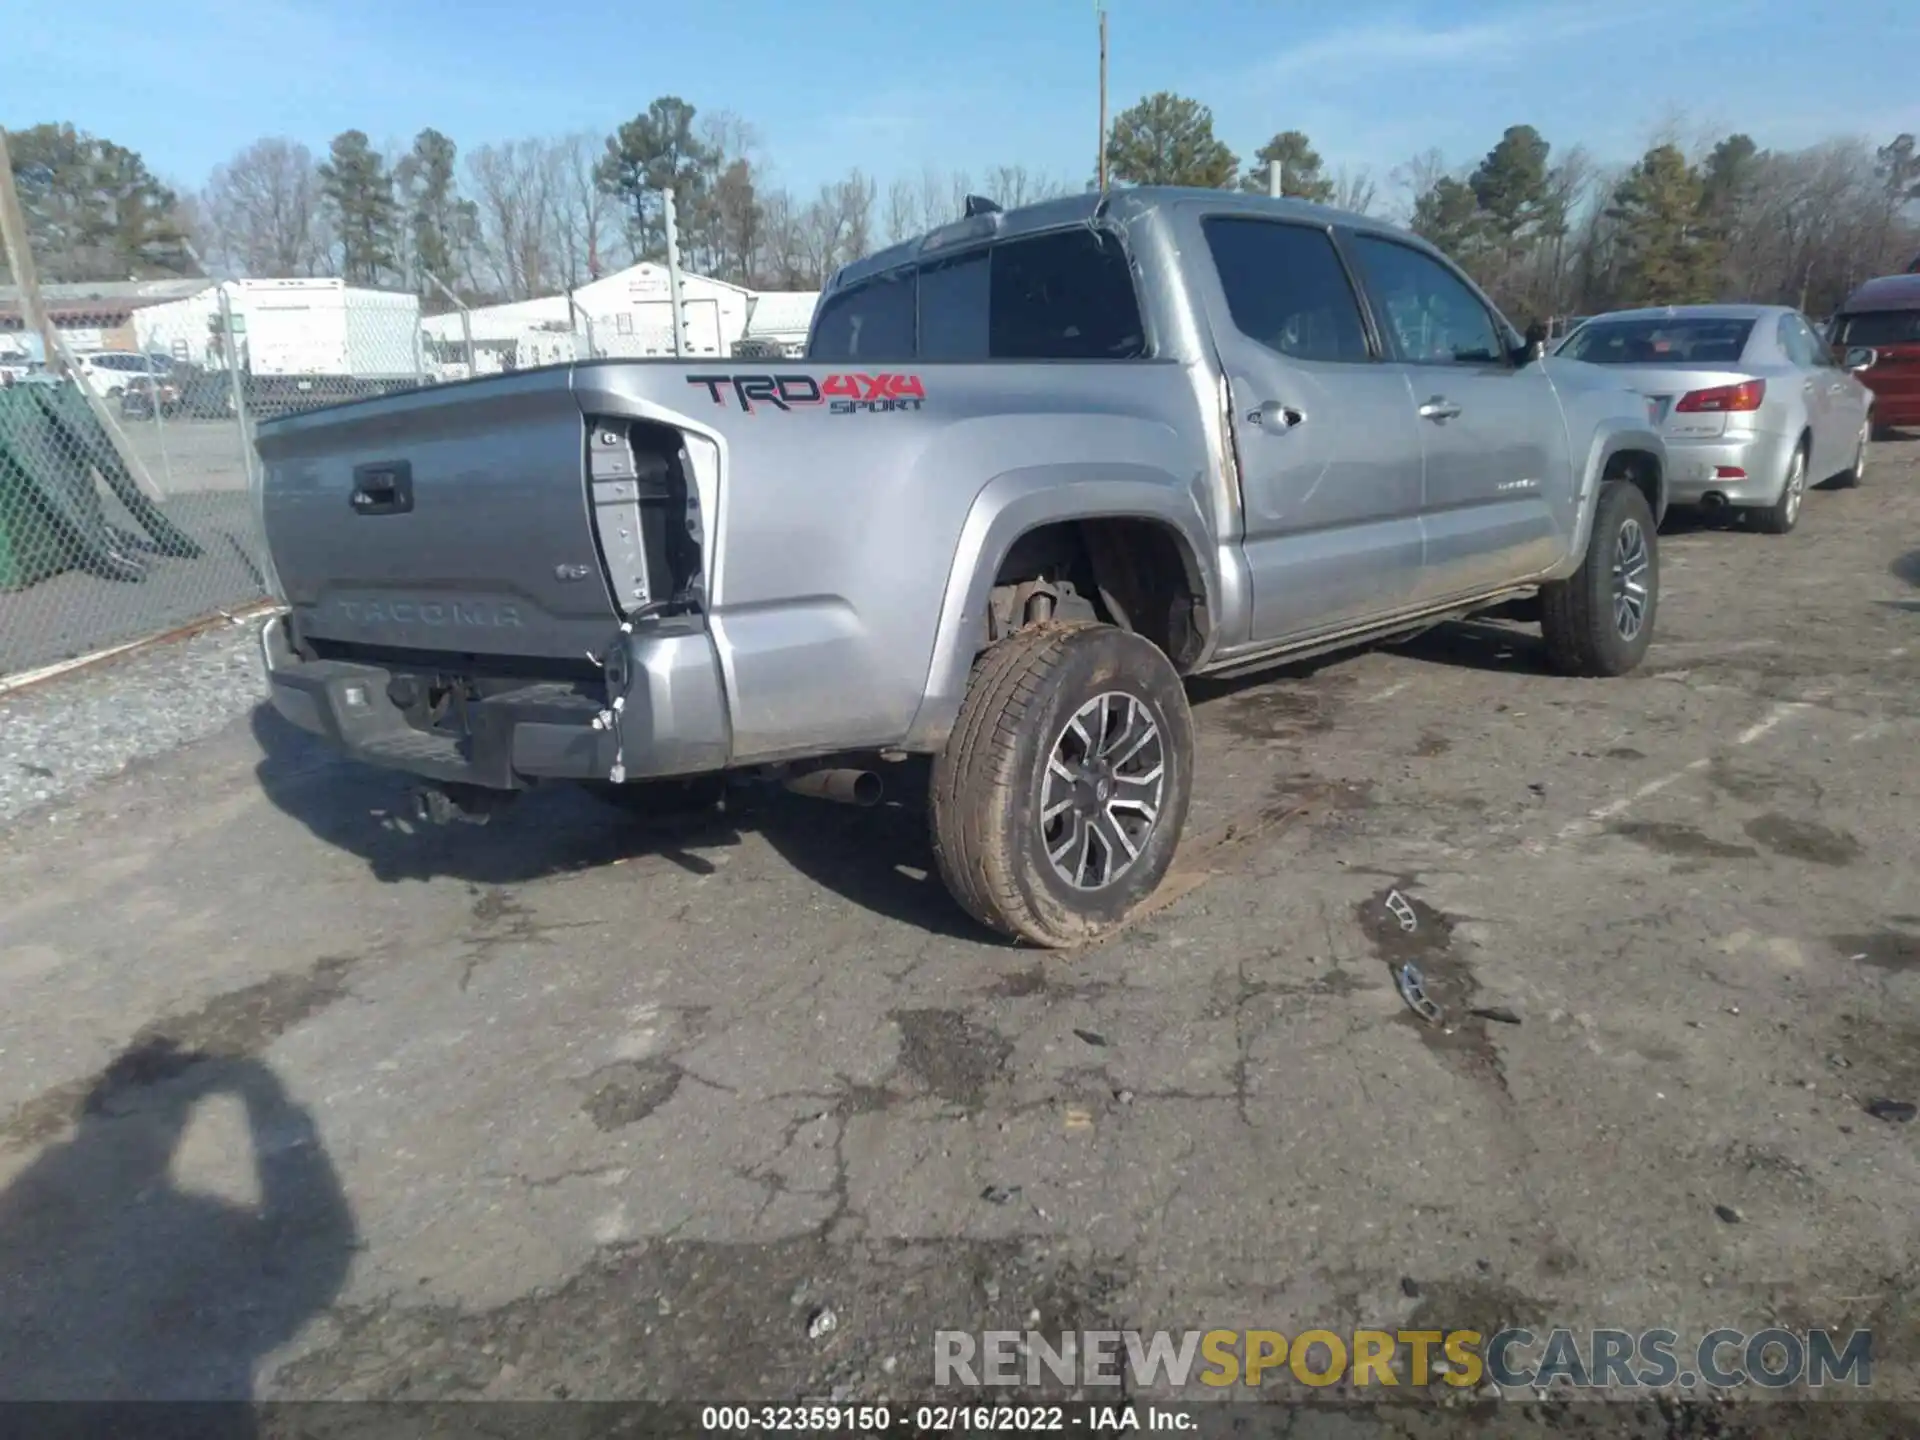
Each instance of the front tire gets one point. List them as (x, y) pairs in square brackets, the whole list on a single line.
[(1780, 517), (1599, 621), (1058, 802), (1851, 477)]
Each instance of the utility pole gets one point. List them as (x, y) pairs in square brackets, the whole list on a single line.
[(1276, 178), (1103, 97), (13, 232), (673, 269), (466, 318)]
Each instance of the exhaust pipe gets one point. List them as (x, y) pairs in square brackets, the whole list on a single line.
[(844, 787), (1714, 500)]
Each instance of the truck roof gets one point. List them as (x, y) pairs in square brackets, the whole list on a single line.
[(1123, 205), (1887, 292)]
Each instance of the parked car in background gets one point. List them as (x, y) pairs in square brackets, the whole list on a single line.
[(1877, 333), (108, 372), (148, 395), (1750, 400)]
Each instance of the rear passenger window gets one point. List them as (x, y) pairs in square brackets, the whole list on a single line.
[(1064, 296), (1431, 316), (1286, 288), (954, 309), (869, 321)]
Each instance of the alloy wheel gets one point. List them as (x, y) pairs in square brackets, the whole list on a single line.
[(1631, 564), (1105, 782)]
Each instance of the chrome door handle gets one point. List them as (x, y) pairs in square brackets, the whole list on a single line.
[(1439, 408), (1276, 417)]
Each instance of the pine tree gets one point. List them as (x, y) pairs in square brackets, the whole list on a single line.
[(1301, 169), (1669, 254), (358, 190), (1168, 139), (656, 149)]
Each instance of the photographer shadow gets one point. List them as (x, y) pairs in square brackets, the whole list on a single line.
[(117, 1284)]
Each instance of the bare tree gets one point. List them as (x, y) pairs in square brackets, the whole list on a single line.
[(516, 189), (903, 212), (587, 221), (262, 209), (1415, 177), (1354, 190)]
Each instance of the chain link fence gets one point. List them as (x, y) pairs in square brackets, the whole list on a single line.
[(125, 454)]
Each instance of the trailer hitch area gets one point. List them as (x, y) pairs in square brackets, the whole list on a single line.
[(455, 803)]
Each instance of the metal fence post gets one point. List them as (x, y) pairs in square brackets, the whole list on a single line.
[(673, 272), (230, 353)]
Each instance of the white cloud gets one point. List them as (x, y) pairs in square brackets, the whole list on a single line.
[(1381, 45)]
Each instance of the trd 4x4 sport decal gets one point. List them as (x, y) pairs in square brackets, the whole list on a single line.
[(841, 394)]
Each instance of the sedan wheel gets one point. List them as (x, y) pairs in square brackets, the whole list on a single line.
[(1858, 472), (1781, 516)]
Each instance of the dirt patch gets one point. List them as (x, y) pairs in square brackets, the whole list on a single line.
[(1280, 710), (629, 1091), (951, 1055), (690, 1321), (1432, 745), (1461, 1038), (1684, 841), (1475, 1304), (1756, 787), (1625, 752), (1019, 984), (239, 1023), (1883, 949), (1804, 840)]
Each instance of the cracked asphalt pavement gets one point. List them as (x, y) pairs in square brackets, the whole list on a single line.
[(299, 1102)]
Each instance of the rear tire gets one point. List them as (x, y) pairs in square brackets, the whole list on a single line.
[(1780, 517), (1599, 621), (1058, 802)]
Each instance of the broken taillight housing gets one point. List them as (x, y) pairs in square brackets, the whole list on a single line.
[(1723, 399)]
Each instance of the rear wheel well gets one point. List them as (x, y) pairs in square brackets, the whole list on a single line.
[(1639, 469), (1134, 573)]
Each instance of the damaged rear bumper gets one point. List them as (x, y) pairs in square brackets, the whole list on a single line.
[(661, 712)]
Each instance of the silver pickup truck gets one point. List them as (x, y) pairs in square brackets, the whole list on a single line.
[(1035, 468)]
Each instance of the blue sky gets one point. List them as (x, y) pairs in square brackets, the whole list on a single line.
[(892, 89)]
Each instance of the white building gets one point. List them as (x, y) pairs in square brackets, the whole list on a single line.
[(630, 313), (624, 315), (778, 321)]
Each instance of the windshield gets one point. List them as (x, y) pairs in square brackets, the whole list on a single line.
[(1881, 327), (1659, 342)]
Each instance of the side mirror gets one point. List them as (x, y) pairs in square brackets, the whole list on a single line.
[(1536, 343), (1859, 358)]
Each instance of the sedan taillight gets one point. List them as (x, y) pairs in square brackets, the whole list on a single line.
[(1723, 399)]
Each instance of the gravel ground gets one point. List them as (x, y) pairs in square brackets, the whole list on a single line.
[(65, 735), (298, 1102)]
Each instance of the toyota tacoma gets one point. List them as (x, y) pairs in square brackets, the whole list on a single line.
[(1035, 469)]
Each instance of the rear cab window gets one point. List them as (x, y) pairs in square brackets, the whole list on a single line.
[(1880, 327), (1430, 315), (1062, 295), (1286, 287)]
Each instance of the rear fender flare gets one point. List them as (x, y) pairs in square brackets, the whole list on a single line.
[(1610, 440), (1007, 507)]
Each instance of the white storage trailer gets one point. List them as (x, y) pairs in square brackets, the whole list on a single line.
[(301, 341)]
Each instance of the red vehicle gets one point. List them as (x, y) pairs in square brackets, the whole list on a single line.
[(1877, 332)]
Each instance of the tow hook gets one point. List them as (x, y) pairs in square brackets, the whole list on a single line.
[(451, 803)]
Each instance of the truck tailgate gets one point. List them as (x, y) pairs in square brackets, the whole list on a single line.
[(451, 519)]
